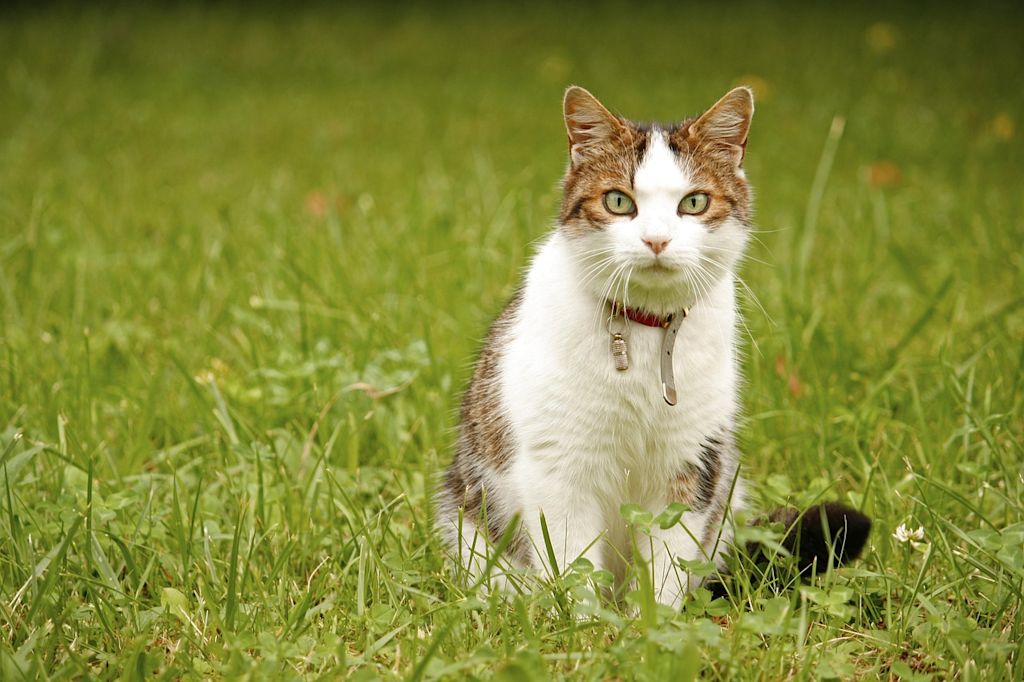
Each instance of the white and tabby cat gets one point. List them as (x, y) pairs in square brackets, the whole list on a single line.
[(611, 377)]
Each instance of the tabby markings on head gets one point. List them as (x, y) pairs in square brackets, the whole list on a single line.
[(606, 151)]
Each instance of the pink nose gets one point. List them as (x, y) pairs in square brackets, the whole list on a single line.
[(657, 244)]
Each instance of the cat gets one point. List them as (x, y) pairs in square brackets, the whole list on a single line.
[(611, 376)]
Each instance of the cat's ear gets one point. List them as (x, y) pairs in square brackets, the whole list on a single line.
[(591, 127), (726, 124)]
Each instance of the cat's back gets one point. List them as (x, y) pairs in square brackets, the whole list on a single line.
[(483, 428), (485, 444)]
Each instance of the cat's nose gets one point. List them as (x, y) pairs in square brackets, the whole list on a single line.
[(657, 244)]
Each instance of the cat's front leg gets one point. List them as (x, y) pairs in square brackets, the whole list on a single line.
[(661, 550), (574, 523)]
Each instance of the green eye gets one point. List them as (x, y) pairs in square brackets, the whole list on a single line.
[(694, 204), (618, 203)]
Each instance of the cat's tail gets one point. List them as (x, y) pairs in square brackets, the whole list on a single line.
[(822, 537), (819, 538)]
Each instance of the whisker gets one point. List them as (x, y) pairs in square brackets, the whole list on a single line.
[(741, 255), (749, 292), (606, 291), (595, 271), (625, 288), (755, 299), (589, 255)]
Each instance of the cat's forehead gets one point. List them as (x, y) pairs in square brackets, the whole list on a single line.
[(660, 169)]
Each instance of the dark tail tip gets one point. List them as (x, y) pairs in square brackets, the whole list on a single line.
[(826, 535), (822, 537)]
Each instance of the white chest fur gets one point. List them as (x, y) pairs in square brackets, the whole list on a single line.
[(593, 437)]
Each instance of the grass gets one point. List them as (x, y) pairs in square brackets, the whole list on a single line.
[(247, 257)]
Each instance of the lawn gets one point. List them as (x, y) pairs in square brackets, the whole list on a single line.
[(247, 256)]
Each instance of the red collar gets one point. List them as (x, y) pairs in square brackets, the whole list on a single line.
[(641, 316)]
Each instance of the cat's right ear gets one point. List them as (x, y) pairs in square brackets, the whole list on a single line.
[(590, 125)]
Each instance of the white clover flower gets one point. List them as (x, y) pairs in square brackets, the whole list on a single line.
[(904, 534), (204, 377)]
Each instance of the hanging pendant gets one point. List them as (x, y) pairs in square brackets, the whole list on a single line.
[(668, 342), (620, 352)]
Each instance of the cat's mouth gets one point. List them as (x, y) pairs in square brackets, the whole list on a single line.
[(660, 273), (661, 266)]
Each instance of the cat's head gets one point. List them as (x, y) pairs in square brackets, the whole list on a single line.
[(656, 214)]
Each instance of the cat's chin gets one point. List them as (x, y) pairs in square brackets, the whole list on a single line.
[(666, 290), (660, 266), (661, 298), (659, 276)]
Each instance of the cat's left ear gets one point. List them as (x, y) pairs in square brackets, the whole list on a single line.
[(727, 123)]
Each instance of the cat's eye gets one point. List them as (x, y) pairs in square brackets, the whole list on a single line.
[(694, 204), (619, 203)]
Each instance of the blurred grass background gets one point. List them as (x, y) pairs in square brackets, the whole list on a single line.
[(247, 255)]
